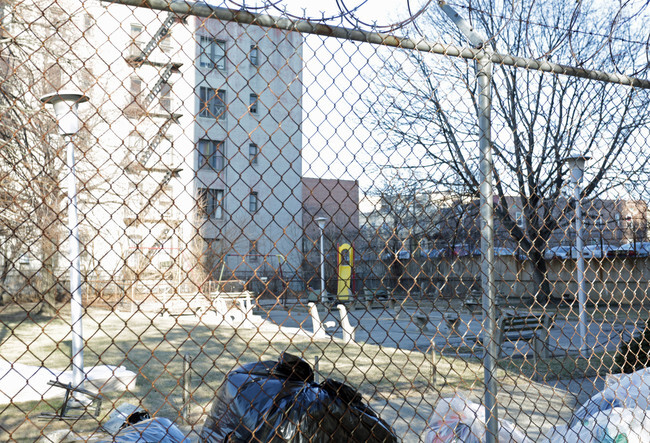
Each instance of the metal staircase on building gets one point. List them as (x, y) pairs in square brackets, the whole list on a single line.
[(146, 117), (162, 32)]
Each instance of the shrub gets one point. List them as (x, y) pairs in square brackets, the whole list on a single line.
[(634, 354)]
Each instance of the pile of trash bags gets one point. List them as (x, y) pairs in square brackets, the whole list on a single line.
[(279, 401), (263, 402), (617, 414)]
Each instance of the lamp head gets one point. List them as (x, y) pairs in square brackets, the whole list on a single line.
[(321, 222), (65, 108), (576, 162)]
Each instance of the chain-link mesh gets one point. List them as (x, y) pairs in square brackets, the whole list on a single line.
[(183, 194)]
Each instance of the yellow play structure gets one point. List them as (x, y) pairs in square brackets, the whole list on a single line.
[(345, 262)]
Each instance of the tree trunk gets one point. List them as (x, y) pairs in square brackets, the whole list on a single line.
[(541, 284)]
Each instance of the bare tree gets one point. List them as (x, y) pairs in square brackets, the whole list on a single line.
[(33, 61), (428, 105)]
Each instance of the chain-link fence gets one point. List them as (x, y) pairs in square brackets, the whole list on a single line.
[(448, 214)]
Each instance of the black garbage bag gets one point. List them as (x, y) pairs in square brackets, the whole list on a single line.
[(279, 402)]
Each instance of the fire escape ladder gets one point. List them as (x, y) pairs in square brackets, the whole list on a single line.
[(155, 40), (156, 193), (164, 77), (146, 153)]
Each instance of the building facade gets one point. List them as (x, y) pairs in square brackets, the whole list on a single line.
[(189, 160), (211, 140)]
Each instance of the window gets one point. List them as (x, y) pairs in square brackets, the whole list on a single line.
[(520, 219), (135, 88), (253, 252), (213, 54), (254, 56), (252, 153), (213, 103), (136, 39), (253, 202), (166, 43), (6, 12), (211, 155), (134, 141), (253, 104), (88, 23), (166, 96), (210, 202)]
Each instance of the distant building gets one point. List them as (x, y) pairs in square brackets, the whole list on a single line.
[(338, 202), (608, 221)]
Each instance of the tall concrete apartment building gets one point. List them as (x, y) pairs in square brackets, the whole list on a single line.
[(211, 139), (194, 135)]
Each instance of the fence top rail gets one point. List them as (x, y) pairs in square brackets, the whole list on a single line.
[(201, 9)]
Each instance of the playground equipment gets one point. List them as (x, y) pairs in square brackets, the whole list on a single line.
[(345, 262)]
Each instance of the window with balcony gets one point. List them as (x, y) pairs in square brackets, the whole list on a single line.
[(210, 201), (211, 155), (213, 103), (213, 53), (166, 43)]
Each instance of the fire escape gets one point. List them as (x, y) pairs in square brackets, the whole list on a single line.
[(147, 112)]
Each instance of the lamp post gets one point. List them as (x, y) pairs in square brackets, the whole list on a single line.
[(65, 108), (321, 225), (576, 163)]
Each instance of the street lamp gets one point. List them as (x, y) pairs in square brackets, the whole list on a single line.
[(321, 225), (576, 163), (65, 108)]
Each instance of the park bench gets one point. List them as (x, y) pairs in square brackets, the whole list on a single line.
[(237, 305), (531, 327)]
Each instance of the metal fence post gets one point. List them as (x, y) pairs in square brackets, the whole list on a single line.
[(484, 78)]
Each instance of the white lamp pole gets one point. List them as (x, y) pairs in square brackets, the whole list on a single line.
[(321, 225), (577, 165), (65, 107)]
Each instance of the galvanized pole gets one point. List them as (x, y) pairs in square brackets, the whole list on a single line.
[(582, 298), (484, 68), (76, 308), (65, 103), (321, 225), (577, 164), (484, 78)]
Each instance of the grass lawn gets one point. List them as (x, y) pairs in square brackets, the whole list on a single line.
[(562, 368), (153, 348)]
